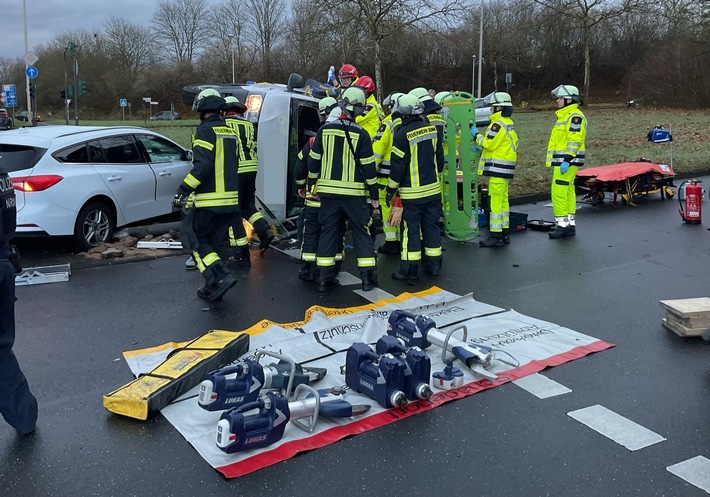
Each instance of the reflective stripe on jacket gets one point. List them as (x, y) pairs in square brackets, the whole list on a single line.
[(247, 143), (500, 148), (567, 137)]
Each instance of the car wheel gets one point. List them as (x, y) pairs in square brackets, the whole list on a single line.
[(94, 225)]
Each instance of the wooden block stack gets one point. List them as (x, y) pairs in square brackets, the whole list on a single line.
[(687, 317)]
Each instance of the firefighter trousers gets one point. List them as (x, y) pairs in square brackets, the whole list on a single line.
[(334, 213), (564, 196), (210, 227), (247, 204), (500, 207), (17, 404), (420, 223)]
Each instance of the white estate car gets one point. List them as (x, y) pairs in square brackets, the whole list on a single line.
[(84, 181)]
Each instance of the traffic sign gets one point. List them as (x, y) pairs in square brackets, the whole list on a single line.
[(123, 102), (30, 58), (10, 95), (31, 72)]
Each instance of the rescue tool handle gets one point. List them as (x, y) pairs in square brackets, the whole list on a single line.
[(257, 404), (259, 353), (444, 349), (313, 418)]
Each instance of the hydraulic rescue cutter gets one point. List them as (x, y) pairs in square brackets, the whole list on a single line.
[(241, 383), (420, 331), (263, 422)]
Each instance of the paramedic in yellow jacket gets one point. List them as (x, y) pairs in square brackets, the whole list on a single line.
[(499, 153), (372, 118), (566, 154)]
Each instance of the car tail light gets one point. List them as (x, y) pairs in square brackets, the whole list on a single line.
[(35, 183)]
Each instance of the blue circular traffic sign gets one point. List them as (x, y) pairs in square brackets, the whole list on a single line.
[(31, 72)]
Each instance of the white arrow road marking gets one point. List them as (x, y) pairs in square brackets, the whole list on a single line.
[(541, 386), (695, 471), (621, 430)]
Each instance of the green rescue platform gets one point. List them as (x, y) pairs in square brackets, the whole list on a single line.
[(459, 178)]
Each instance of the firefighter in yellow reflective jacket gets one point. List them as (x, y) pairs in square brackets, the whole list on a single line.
[(417, 162), (499, 153), (382, 148), (343, 166), (212, 186), (371, 119), (238, 240), (565, 155)]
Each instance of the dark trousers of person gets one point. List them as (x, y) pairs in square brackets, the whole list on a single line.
[(420, 223), (210, 228), (17, 404), (311, 234), (334, 213)]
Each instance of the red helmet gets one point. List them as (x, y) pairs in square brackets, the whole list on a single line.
[(366, 83), (348, 71)]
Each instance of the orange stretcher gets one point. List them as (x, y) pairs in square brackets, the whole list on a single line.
[(627, 180)]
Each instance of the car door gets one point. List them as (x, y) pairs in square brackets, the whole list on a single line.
[(127, 175), (170, 164)]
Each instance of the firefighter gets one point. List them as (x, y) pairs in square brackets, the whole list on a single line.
[(566, 154), (432, 110), (247, 185), (311, 226), (347, 75), (416, 164), (382, 148), (17, 404), (372, 118), (343, 166), (499, 144), (212, 185)]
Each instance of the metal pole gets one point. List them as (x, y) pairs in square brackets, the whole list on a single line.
[(473, 78), (66, 89), (232, 61), (76, 93), (30, 113), (480, 51)]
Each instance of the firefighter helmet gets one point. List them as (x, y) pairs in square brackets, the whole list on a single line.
[(409, 105), (353, 100), (391, 99), (366, 83), (326, 105), (498, 99), (568, 92), (440, 97), (347, 71), (423, 95), (208, 100)]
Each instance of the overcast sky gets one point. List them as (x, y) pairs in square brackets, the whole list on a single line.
[(46, 19)]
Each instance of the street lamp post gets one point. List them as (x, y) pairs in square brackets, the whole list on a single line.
[(480, 51), (473, 78), (231, 49)]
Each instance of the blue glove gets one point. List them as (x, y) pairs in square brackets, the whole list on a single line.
[(564, 167), (476, 149), (331, 74), (474, 132)]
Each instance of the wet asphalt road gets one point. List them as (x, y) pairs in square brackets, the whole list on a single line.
[(606, 282)]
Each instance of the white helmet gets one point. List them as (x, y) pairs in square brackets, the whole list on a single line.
[(409, 105), (326, 105), (566, 91), (498, 99), (353, 100), (391, 99), (440, 97)]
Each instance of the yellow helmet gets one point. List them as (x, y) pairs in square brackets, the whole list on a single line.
[(409, 105), (353, 100), (441, 96), (208, 100), (326, 104)]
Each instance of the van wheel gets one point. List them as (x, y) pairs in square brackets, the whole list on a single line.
[(94, 225)]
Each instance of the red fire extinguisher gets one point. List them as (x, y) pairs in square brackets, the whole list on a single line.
[(690, 199)]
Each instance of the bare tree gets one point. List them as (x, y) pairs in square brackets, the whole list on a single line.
[(129, 45), (182, 25), (233, 38), (587, 14), (268, 21), (385, 18)]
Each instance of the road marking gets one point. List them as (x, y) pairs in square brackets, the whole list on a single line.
[(375, 294), (695, 471), (541, 386), (346, 279), (621, 430)]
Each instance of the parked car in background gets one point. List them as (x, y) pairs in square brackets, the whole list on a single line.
[(24, 116), (483, 113), (87, 181), (166, 115), (5, 120)]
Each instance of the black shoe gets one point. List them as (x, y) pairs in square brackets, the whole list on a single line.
[(506, 236), (307, 273), (369, 281), (560, 232), (492, 242), (327, 285), (267, 240), (572, 230), (240, 261), (389, 247), (408, 273)]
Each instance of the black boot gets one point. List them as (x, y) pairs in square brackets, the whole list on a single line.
[(432, 265), (327, 284), (408, 272), (263, 231), (494, 239), (307, 271), (560, 232), (369, 280), (218, 280), (506, 236), (390, 247), (240, 256)]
